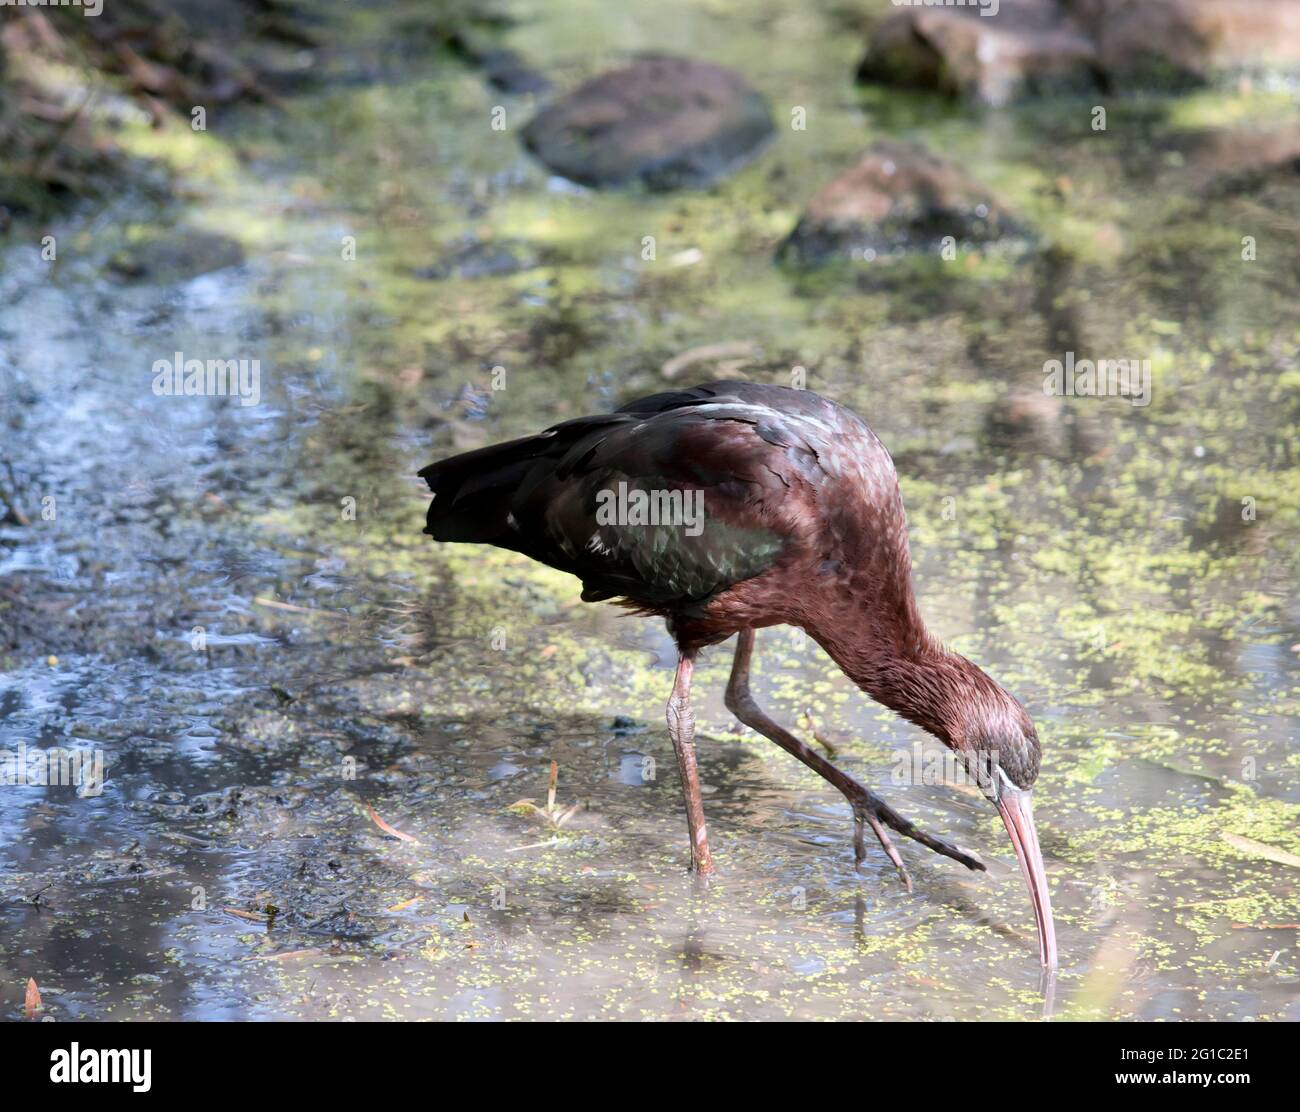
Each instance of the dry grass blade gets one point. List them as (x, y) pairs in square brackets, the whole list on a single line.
[(276, 604), (565, 815), (535, 845), (1259, 849), (552, 814)]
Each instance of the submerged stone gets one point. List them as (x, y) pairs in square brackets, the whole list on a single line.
[(662, 122), (897, 198), (176, 256), (474, 258)]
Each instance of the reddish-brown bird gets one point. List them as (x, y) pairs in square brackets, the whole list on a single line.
[(733, 506)]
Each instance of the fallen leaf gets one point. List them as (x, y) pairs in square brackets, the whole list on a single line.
[(33, 999), (406, 903), (388, 829), (251, 916)]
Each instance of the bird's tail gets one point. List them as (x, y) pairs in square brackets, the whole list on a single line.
[(472, 492)]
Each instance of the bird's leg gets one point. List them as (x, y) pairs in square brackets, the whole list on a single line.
[(868, 808), (681, 728)]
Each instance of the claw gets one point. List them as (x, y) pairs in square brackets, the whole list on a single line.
[(878, 813), (863, 816)]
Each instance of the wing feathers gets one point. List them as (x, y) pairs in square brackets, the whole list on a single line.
[(723, 461)]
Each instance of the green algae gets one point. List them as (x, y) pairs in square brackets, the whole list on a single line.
[(1096, 561)]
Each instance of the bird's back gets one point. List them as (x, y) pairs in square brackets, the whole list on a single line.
[(674, 498)]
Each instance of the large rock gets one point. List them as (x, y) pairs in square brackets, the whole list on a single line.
[(897, 198), (1028, 47), (661, 122), (1180, 41)]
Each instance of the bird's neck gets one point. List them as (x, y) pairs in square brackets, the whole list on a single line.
[(907, 670)]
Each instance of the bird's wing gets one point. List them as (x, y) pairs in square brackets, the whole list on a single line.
[(671, 504), (666, 501)]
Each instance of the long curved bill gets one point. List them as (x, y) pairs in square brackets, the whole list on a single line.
[(1018, 814)]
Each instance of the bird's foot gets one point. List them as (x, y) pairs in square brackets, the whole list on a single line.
[(873, 811), (862, 818)]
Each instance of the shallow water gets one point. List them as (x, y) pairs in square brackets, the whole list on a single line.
[(1092, 555)]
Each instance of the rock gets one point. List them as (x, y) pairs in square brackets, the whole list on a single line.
[(175, 256), (662, 122), (897, 198), (1236, 161), (507, 71), (1028, 47), (1031, 47), (1190, 41), (476, 258)]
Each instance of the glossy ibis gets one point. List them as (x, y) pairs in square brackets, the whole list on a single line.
[(800, 523)]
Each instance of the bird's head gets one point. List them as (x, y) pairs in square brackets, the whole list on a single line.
[(996, 739), (971, 713)]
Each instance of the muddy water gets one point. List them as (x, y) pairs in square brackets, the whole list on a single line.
[(234, 604)]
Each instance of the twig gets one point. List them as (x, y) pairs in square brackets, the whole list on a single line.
[(817, 734)]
